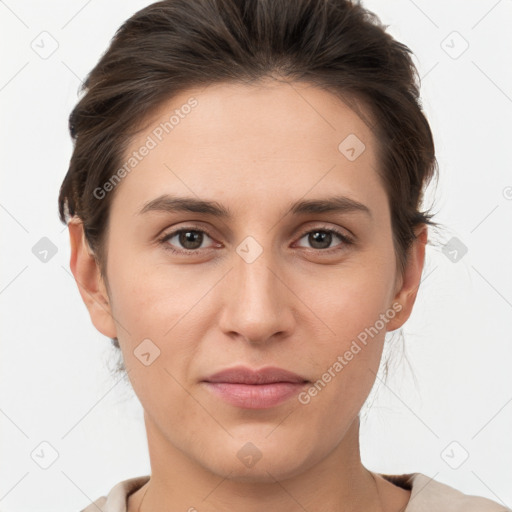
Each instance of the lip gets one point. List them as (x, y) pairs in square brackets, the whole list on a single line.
[(255, 389)]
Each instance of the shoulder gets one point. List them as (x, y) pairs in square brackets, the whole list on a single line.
[(429, 495), (115, 500)]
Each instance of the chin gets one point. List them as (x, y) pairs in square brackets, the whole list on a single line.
[(258, 462), (267, 472)]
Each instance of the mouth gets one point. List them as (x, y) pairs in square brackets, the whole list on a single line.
[(255, 389)]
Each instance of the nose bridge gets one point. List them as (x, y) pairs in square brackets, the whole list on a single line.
[(255, 306), (255, 278)]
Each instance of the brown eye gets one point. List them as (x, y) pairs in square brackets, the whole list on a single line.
[(186, 239), (321, 239)]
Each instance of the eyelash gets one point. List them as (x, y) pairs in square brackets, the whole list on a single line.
[(164, 239)]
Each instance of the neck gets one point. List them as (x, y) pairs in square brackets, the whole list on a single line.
[(339, 482)]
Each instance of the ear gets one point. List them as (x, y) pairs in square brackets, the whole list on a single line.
[(409, 282), (87, 275)]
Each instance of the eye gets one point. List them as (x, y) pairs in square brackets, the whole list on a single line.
[(189, 238), (321, 239)]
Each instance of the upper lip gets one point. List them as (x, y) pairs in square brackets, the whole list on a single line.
[(245, 375)]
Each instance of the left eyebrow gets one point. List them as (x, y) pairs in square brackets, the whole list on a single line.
[(336, 204)]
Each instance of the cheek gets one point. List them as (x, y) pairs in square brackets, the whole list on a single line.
[(349, 300), (152, 298), (157, 347), (153, 309), (354, 308), (345, 363)]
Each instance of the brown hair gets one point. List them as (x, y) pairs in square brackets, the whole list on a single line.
[(173, 45)]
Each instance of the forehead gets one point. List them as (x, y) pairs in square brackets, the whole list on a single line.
[(271, 111), (269, 139)]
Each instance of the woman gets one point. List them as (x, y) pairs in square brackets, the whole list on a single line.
[(244, 205)]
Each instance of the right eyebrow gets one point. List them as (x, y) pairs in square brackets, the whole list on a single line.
[(170, 204)]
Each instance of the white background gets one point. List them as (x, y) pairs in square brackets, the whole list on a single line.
[(457, 391)]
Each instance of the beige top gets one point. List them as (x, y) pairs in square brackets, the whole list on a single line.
[(427, 495)]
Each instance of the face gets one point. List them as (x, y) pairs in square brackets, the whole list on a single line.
[(265, 275)]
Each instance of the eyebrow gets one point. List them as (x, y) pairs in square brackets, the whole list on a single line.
[(171, 204)]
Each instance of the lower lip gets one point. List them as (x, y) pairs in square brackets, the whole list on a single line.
[(255, 396)]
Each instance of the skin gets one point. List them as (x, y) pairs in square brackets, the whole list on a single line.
[(254, 149)]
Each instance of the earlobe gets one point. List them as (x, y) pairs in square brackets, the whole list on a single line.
[(410, 280), (90, 284)]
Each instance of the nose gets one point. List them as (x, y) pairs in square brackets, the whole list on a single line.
[(258, 305)]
